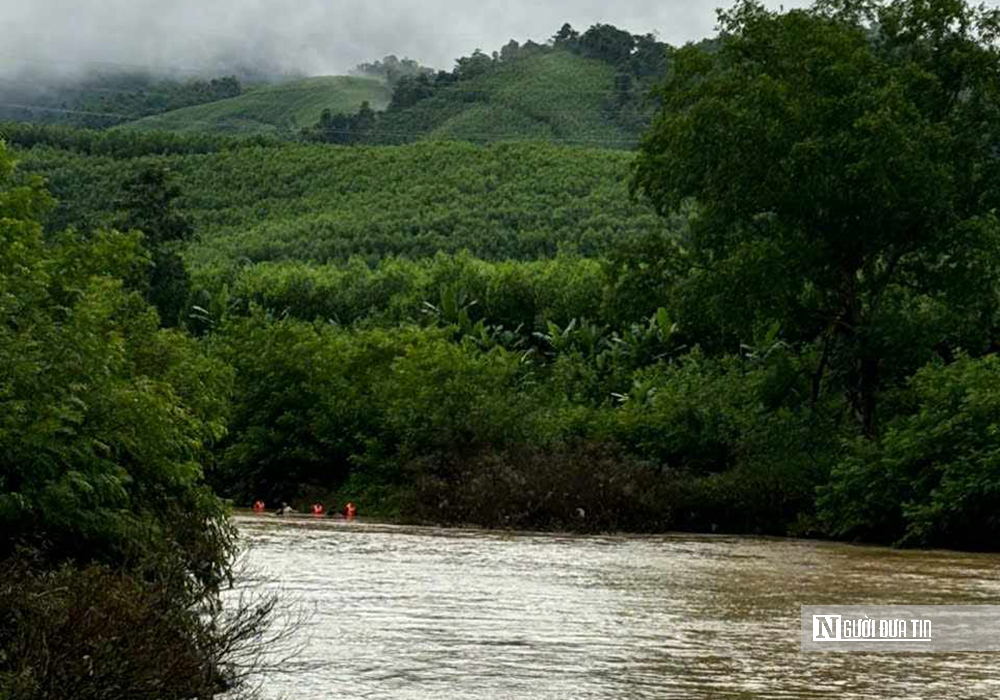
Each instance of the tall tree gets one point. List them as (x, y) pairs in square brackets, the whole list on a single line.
[(607, 43), (113, 548), (843, 159), (566, 36), (147, 203), (105, 416)]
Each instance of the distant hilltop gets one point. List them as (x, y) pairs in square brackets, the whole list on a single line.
[(589, 88)]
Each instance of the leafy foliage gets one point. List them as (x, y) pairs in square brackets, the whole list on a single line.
[(392, 69), (120, 143), (106, 422), (497, 334), (524, 92), (147, 205), (103, 632), (107, 416), (933, 477), (836, 160)]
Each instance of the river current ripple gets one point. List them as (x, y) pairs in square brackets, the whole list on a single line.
[(383, 611)]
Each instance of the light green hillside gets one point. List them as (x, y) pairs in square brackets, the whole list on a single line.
[(274, 108), (554, 96), (317, 203)]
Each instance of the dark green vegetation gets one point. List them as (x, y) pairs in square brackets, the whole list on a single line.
[(106, 100), (588, 89), (790, 330), (194, 106), (391, 70), (845, 166), (499, 334), (107, 422)]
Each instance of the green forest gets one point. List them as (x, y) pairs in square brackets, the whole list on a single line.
[(276, 108), (106, 99), (748, 285)]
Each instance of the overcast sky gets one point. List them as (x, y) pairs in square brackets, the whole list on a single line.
[(312, 36)]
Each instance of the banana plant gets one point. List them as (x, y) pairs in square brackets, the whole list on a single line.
[(644, 344), (213, 310), (486, 338), (452, 309), (579, 334), (641, 393), (764, 344)]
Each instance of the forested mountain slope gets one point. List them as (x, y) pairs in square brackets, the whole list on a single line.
[(551, 95), (589, 89), (324, 203), (278, 108), (106, 99), (321, 203)]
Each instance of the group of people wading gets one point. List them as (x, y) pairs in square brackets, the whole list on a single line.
[(349, 511)]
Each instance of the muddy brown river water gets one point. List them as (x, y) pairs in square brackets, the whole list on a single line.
[(384, 611)]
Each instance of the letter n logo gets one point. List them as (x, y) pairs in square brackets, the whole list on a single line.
[(826, 628)]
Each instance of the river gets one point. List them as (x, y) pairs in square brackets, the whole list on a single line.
[(384, 611)]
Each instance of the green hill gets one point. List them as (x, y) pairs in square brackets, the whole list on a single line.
[(105, 100), (549, 95), (319, 203), (274, 108)]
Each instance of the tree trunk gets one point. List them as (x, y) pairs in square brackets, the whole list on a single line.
[(868, 395)]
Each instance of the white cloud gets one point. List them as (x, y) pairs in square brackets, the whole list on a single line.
[(310, 36)]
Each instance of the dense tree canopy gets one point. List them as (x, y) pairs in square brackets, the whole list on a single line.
[(499, 328), (106, 417), (113, 549), (843, 159), (105, 100), (147, 204), (449, 332)]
